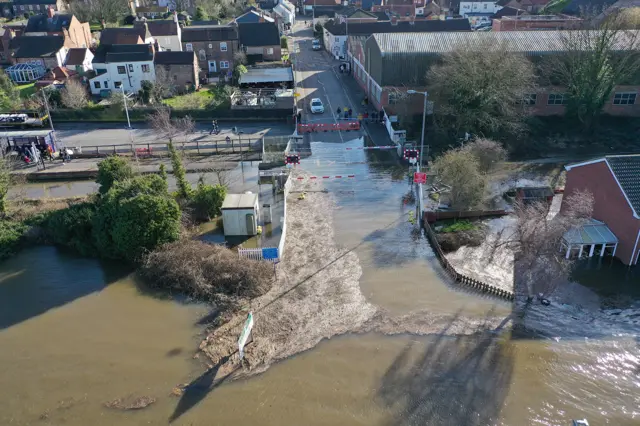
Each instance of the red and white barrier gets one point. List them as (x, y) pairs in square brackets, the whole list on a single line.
[(326, 177)]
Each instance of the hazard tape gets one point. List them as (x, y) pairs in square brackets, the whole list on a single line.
[(326, 177)]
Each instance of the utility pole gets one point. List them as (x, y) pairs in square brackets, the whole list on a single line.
[(424, 119), (46, 105), (126, 110)]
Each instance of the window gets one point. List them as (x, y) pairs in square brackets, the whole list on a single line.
[(96, 84), (270, 51), (117, 84), (145, 68), (624, 98), (121, 69), (485, 6), (393, 97), (557, 99), (202, 55), (22, 8), (224, 64), (130, 67), (223, 46), (210, 46), (30, 7), (106, 84), (189, 47), (529, 99)]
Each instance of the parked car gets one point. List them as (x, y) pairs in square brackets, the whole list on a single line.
[(316, 106), (315, 44)]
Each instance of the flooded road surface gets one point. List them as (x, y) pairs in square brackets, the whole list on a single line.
[(75, 333)]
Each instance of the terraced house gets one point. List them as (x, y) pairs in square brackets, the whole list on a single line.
[(388, 63), (215, 47)]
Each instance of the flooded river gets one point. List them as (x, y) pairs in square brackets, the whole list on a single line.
[(76, 333)]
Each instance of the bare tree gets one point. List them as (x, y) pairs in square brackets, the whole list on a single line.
[(160, 121), (478, 88), (222, 172), (488, 152), (592, 63), (74, 95), (109, 11), (536, 242), (240, 57), (162, 87), (460, 169)]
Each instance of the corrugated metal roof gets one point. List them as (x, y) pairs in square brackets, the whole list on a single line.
[(266, 75), (527, 42)]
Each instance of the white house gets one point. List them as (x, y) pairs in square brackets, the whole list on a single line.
[(475, 8), (335, 44), (79, 59), (286, 12), (125, 64)]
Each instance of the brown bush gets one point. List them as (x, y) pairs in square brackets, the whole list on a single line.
[(204, 271), (452, 241)]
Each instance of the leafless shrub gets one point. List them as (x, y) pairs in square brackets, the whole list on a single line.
[(74, 95), (540, 265), (209, 272), (488, 152)]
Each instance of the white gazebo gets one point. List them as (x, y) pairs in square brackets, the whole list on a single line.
[(25, 73), (589, 237)]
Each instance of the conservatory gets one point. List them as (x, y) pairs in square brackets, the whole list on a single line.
[(25, 73)]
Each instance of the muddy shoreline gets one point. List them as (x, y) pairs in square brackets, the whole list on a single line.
[(317, 296)]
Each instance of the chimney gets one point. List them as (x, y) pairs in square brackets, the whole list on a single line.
[(175, 16), (394, 20), (50, 12)]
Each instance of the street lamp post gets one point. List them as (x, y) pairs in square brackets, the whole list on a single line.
[(424, 119), (126, 110), (420, 206)]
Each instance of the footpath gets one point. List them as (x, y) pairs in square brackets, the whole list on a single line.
[(376, 131), (87, 168)]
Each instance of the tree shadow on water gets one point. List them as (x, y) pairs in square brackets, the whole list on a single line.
[(452, 380), (198, 389)]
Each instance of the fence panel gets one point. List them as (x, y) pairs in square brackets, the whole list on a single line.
[(458, 277)]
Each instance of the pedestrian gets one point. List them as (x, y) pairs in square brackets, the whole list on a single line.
[(350, 112), (366, 116), (339, 111)]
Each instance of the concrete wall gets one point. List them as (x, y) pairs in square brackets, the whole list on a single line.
[(610, 207)]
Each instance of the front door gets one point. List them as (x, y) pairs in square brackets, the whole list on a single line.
[(212, 66)]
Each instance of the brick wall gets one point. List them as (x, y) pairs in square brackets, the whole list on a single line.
[(610, 207)]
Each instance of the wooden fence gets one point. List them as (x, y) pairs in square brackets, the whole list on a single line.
[(432, 216), (458, 277)]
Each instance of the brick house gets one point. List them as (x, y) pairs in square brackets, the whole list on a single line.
[(20, 7), (75, 33), (49, 51), (181, 67), (386, 63), (260, 41), (614, 182), (215, 47)]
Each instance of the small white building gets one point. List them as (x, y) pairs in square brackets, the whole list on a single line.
[(474, 8), (240, 213), (125, 64), (79, 59)]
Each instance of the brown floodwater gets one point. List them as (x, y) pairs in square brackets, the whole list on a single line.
[(76, 333)]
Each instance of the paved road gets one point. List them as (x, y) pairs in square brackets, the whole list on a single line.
[(103, 134), (317, 77)]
